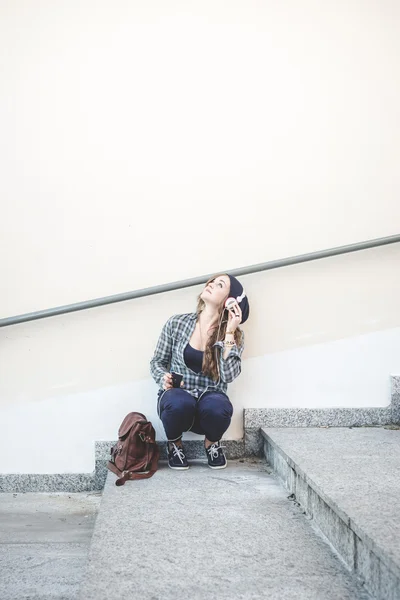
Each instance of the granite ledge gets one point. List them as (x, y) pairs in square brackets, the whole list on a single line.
[(42, 482), (86, 482), (193, 449), (255, 418), (316, 417), (396, 399)]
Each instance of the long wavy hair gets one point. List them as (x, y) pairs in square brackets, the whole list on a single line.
[(210, 362)]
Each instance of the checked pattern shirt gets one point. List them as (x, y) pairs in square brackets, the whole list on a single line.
[(168, 356)]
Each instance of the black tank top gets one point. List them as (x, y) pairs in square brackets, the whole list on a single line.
[(193, 358)]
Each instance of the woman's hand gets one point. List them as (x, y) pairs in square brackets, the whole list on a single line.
[(234, 317), (167, 382)]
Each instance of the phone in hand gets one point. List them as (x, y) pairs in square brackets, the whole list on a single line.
[(176, 379)]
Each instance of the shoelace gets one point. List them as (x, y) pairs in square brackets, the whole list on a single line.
[(213, 450), (177, 451)]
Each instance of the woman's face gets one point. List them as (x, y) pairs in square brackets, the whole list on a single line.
[(216, 291)]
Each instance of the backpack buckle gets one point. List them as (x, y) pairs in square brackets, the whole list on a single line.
[(142, 436)]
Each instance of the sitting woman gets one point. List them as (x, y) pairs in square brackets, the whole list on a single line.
[(205, 347)]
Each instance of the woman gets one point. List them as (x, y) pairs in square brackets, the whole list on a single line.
[(206, 348)]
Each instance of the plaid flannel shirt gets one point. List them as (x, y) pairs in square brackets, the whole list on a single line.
[(168, 356)]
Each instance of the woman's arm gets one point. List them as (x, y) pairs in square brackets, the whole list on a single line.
[(229, 361), (161, 361)]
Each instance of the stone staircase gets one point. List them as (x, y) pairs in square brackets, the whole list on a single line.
[(228, 534), (334, 533), (347, 480)]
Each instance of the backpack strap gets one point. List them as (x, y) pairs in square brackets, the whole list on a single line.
[(129, 476)]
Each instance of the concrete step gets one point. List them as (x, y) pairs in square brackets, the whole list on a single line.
[(228, 534), (44, 544), (348, 481)]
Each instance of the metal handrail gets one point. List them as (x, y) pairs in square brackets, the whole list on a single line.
[(176, 285)]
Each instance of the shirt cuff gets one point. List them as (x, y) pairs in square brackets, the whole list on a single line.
[(234, 349)]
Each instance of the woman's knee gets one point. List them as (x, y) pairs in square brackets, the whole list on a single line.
[(177, 401), (216, 405)]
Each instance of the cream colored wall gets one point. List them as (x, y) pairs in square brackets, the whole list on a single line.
[(145, 143), (133, 131)]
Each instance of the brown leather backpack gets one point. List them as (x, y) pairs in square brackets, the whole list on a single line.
[(135, 455)]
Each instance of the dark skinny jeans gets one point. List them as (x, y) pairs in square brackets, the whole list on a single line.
[(179, 411)]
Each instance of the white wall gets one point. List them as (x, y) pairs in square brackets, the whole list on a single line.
[(321, 334), (148, 142)]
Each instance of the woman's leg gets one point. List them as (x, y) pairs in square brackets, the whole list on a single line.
[(214, 413), (176, 410)]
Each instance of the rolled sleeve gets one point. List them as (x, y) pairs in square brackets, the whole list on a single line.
[(230, 367), (161, 361)]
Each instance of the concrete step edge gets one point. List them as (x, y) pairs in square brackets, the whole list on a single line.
[(348, 521)]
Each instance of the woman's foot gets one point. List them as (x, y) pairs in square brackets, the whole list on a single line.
[(216, 457), (176, 456)]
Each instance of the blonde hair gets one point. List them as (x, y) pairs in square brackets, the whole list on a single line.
[(210, 363)]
